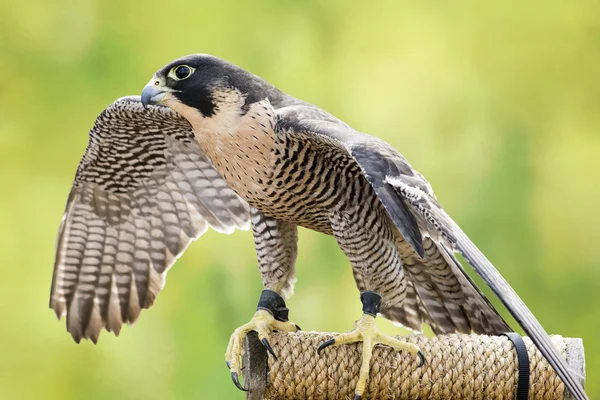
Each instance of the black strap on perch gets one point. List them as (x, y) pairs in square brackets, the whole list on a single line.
[(523, 359)]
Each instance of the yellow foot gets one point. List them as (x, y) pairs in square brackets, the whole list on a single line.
[(263, 323), (367, 332)]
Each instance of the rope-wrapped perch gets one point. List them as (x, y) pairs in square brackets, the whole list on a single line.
[(456, 367)]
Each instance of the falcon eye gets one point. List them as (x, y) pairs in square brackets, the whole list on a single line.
[(183, 71)]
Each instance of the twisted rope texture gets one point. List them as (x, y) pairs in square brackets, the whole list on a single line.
[(456, 367)]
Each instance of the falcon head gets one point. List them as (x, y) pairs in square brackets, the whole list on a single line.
[(202, 85)]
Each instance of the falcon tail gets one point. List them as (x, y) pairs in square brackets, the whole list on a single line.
[(518, 309), (438, 223)]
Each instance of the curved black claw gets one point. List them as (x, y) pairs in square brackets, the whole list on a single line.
[(421, 359), (228, 364), (236, 381), (298, 327), (269, 348), (357, 397), (325, 344)]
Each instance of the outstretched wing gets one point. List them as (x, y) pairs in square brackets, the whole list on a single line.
[(143, 191), (413, 208)]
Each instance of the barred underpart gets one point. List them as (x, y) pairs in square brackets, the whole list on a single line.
[(276, 245), (143, 191), (295, 177), (317, 184)]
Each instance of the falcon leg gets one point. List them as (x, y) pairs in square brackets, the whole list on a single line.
[(367, 332), (271, 315)]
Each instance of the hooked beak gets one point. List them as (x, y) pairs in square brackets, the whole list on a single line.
[(155, 93)]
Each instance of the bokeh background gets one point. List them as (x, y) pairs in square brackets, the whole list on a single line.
[(497, 104)]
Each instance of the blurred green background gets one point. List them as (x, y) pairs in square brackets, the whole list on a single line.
[(498, 105)]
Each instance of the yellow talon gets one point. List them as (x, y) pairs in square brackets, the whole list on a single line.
[(367, 332), (263, 323)]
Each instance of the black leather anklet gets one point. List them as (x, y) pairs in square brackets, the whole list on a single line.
[(371, 302), (272, 302)]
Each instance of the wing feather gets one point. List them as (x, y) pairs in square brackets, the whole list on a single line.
[(143, 191), (413, 208)]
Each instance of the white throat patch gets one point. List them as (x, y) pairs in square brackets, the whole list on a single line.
[(228, 112)]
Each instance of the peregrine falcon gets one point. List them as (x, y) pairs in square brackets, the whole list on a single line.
[(209, 144)]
